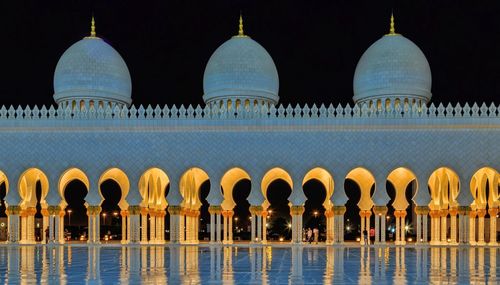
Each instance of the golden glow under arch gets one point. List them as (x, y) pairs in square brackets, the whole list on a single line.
[(481, 178), (189, 187), (444, 187), (228, 181), (27, 187), (68, 176), (365, 180), (269, 177), (326, 179), (152, 186), (400, 178), (121, 179)]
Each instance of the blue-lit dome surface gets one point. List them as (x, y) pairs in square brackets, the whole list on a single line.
[(240, 68), (393, 67), (92, 70)]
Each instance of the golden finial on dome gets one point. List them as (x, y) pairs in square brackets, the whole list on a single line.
[(92, 28), (240, 31), (392, 29)]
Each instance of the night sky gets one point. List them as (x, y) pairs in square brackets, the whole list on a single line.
[(315, 44)]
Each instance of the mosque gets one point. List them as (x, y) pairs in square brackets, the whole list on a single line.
[(445, 156)]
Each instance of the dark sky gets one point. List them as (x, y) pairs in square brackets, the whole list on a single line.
[(315, 44)]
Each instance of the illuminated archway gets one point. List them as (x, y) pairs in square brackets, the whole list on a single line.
[(152, 186), (4, 188), (444, 189), (365, 182), (229, 180), (484, 188), (73, 186), (275, 207), (30, 181), (189, 187), (401, 179), (318, 180)]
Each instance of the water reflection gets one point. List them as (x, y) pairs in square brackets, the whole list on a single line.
[(242, 265)]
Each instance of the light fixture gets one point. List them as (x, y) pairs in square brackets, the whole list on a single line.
[(282, 239)]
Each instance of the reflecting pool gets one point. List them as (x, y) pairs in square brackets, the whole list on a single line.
[(246, 265)]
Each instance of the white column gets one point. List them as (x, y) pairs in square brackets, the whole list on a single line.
[(144, 227), (264, 228), (212, 227), (124, 228), (218, 226), (182, 228), (259, 227), (377, 228), (472, 228), (480, 229), (419, 228), (253, 225), (230, 230), (425, 228), (362, 228), (493, 227), (453, 229), (403, 229), (383, 229), (225, 234), (45, 226), (398, 230), (444, 227)]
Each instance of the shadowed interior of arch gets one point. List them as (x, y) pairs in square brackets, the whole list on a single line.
[(74, 195), (240, 194), (110, 209)]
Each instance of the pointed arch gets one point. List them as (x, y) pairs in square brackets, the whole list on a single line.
[(121, 178), (400, 178), (69, 175), (365, 181), (27, 187), (444, 188), (152, 186), (189, 187), (484, 188), (230, 178), (323, 176), (272, 175)]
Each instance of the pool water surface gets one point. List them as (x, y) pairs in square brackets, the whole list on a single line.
[(246, 265)]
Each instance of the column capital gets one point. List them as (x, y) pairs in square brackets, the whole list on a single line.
[(443, 213), (215, 209), (144, 211), (329, 213), (493, 211), (13, 210), (380, 210), (365, 213), (453, 211), (434, 213), (92, 210), (481, 213), (422, 210), (255, 210), (134, 210), (297, 210), (472, 213), (174, 210), (400, 213), (339, 210), (124, 213), (463, 210)]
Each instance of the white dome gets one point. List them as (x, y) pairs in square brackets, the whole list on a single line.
[(92, 70), (392, 67), (241, 69)]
